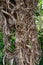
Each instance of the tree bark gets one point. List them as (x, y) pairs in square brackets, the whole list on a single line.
[(21, 17)]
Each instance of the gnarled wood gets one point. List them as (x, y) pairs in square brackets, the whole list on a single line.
[(19, 14)]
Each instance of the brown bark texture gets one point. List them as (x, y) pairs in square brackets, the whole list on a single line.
[(18, 15)]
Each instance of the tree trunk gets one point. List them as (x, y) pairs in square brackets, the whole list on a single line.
[(21, 18)]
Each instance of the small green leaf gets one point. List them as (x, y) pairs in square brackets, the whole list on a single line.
[(13, 38)]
